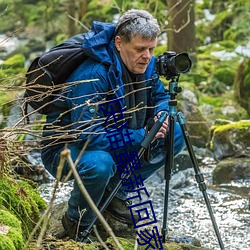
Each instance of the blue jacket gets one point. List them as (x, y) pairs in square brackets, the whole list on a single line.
[(86, 116)]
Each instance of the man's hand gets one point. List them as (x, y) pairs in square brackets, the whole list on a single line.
[(164, 128)]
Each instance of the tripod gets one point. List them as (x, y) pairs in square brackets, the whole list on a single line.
[(173, 90)]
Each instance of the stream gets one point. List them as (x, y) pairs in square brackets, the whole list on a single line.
[(187, 212)]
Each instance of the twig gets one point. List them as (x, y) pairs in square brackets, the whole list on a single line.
[(66, 154), (136, 243), (99, 238), (77, 21)]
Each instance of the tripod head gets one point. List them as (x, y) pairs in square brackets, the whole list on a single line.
[(174, 89)]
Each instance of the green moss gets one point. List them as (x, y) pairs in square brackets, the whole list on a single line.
[(242, 84), (235, 125), (16, 61), (239, 128), (9, 219), (225, 75), (6, 243), (13, 239), (16, 237), (20, 198), (212, 100)]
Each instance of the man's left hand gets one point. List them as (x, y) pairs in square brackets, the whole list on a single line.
[(163, 129)]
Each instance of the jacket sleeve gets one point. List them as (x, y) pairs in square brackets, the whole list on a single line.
[(87, 118)]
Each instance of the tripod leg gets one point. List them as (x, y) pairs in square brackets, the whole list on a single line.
[(168, 173), (199, 176)]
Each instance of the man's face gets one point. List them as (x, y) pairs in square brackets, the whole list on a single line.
[(137, 53)]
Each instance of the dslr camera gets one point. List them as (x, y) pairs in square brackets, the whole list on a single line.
[(171, 65)]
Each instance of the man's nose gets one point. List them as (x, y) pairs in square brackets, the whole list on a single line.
[(146, 54)]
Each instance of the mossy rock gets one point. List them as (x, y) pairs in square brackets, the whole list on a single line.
[(11, 237), (232, 139), (21, 199)]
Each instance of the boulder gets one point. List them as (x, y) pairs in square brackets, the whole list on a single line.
[(197, 125), (231, 169), (231, 139)]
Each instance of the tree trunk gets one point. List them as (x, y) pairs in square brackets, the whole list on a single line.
[(71, 6), (181, 27), (83, 7)]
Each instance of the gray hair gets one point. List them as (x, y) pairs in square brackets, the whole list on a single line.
[(137, 22)]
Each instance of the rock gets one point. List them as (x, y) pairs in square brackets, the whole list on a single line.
[(232, 139), (231, 169), (197, 125), (181, 179)]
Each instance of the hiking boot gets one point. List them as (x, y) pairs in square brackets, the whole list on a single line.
[(75, 231), (119, 209)]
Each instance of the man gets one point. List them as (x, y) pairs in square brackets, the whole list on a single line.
[(124, 91)]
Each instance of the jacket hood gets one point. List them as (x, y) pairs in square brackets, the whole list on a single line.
[(98, 43)]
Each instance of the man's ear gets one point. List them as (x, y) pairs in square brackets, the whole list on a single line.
[(118, 43)]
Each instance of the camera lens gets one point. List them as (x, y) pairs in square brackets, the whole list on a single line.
[(182, 63)]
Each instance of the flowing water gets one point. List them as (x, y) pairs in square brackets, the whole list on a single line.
[(188, 214), (187, 211)]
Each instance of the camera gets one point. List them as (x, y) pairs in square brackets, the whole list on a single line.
[(171, 65)]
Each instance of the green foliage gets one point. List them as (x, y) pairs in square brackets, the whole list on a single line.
[(229, 23)]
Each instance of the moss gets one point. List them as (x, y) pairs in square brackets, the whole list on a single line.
[(6, 243), (127, 244), (235, 125), (22, 200), (214, 101), (13, 239), (239, 128), (16, 61), (9, 219), (225, 75), (16, 237)]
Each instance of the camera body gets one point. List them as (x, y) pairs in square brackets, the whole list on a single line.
[(171, 65)]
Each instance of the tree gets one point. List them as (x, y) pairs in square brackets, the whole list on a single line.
[(181, 26)]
